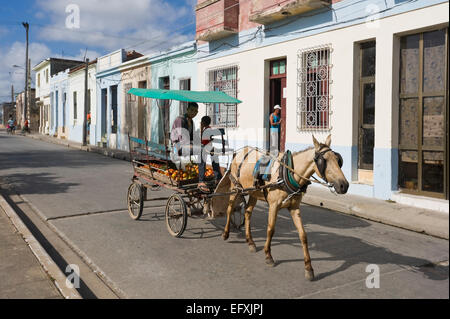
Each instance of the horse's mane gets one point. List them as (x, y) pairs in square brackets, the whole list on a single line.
[(302, 151), (321, 145)]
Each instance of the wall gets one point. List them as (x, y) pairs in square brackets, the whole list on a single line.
[(342, 35), (77, 83), (134, 72), (177, 64)]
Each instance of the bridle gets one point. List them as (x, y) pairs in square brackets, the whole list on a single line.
[(321, 163)]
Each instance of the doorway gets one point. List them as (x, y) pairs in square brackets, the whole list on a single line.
[(423, 114), (104, 112), (141, 112), (277, 96), (366, 136), (164, 83)]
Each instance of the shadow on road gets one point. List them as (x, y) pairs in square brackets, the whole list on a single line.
[(51, 158), (346, 249), (43, 183)]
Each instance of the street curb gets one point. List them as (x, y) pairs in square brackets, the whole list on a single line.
[(119, 292), (397, 218), (44, 259)]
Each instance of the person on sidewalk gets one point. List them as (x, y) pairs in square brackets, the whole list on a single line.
[(275, 121), (26, 128), (206, 139)]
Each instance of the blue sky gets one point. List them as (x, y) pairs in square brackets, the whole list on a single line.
[(105, 25)]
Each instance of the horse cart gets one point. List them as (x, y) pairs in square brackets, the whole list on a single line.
[(154, 168)]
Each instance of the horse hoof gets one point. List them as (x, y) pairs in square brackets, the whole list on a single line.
[(270, 262), (252, 248), (225, 236), (309, 274)]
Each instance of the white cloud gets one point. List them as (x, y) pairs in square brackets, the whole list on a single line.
[(115, 24), (15, 55)]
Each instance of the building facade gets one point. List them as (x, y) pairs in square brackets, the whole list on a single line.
[(32, 112), (44, 95), (373, 75), (75, 117), (135, 119), (175, 69)]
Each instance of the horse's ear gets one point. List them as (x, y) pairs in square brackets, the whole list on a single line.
[(328, 141), (316, 143)]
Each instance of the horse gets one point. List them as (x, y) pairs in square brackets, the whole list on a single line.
[(319, 159)]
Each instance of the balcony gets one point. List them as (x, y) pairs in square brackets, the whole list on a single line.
[(216, 19), (268, 11)]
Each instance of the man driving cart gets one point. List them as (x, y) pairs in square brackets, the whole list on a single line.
[(182, 137)]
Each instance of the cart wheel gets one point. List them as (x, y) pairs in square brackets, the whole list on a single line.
[(176, 215), (238, 215), (135, 200)]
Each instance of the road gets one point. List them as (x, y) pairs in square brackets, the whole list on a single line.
[(82, 196)]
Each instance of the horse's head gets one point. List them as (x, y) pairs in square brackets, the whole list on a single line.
[(328, 165)]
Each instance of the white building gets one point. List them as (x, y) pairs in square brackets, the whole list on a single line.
[(45, 99), (371, 73), (76, 103)]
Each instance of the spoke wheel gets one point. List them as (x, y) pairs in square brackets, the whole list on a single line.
[(176, 215), (135, 200)]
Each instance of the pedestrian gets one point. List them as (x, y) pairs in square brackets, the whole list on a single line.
[(275, 121), (26, 127)]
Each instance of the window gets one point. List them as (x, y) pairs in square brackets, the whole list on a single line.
[(225, 80), (313, 96), (46, 75), (75, 105), (39, 80)]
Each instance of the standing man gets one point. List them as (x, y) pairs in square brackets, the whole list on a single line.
[(275, 120)]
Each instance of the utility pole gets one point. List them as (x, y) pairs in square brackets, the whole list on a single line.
[(25, 108), (86, 101)]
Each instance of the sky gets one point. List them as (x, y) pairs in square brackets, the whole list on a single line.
[(103, 26)]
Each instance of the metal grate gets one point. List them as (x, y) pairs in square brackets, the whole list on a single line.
[(224, 79), (313, 88)]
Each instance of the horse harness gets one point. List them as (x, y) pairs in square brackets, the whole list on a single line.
[(285, 176), (321, 163)]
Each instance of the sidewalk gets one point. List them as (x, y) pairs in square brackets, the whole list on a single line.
[(420, 220), (21, 275)]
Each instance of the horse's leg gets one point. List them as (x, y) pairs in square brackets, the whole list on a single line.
[(295, 213), (248, 215), (273, 212), (226, 231)]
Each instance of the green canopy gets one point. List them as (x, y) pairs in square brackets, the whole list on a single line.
[(186, 96)]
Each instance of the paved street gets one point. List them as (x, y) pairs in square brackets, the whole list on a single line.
[(83, 195)]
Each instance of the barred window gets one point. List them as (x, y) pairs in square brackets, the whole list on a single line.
[(313, 95), (225, 80)]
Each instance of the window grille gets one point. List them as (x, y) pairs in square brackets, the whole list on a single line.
[(313, 83), (225, 80)]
